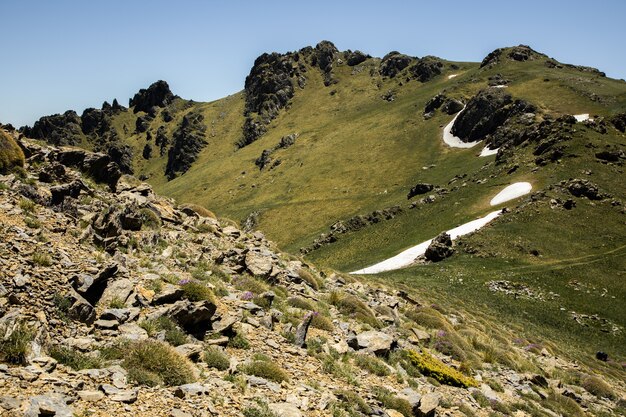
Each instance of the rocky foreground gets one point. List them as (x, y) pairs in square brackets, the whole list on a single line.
[(115, 301)]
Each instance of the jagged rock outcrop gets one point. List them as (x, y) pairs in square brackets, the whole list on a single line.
[(266, 160), (57, 129), (517, 53), (426, 68), (158, 94), (188, 141), (355, 57), (419, 188), (485, 112), (440, 248), (393, 63), (323, 57)]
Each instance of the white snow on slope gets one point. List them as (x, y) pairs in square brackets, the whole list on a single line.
[(408, 256), (488, 152), (453, 141), (511, 192), (581, 117), (452, 76)]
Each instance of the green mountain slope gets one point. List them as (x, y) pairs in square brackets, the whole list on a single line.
[(361, 141)]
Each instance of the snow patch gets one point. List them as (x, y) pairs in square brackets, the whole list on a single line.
[(581, 117), (488, 152), (408, 256), (511, 192), (452, 76), (453, 141), (499, 86)]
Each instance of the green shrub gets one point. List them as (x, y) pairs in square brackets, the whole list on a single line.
[(433, 367), (149, 219), (41, 258), (596, 386), (391, 401), (260, 410), (116, 302), (156, 363), (196, 291), (351, 403), (11, 155), (238, 341), (75, 359), (32, 223), (336, 365), (16, 347), (265, 369), (173, 334), (27, 206), (371, 364), (215, 358)]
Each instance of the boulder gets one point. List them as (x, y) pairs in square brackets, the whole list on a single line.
[(48, 405), (485, 112), (60, 192), (303, 328), (440, 248), (80, 309), (428, 405), (419, 188), (117, 290), (285, 410), (195, 318), (258, 264), (374, 341)]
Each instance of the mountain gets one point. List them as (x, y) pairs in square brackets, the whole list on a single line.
[(115, 300), (350, 160)]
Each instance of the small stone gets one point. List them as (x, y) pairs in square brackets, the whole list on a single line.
[(285, 410), (191, 390), (175, 412), (428, 405), (107, 324), (91, 396)]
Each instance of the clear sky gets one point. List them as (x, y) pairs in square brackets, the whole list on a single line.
[(59, 55)]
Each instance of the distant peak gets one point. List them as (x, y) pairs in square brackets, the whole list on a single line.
[(158, 94)]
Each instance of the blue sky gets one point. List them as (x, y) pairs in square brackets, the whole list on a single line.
[(59, 55)]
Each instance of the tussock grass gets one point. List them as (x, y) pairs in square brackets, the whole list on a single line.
[(265, 369), (214, 357), (16, 347), (75, 359), (433, 367), (11, 155), (151, 363)]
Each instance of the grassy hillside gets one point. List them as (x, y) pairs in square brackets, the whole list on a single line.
[(357, 152)]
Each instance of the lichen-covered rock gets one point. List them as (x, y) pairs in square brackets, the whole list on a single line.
[(440, 248)]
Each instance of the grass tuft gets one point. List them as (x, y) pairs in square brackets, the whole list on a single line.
[(216, 358), (434, 368), (152, 363)]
